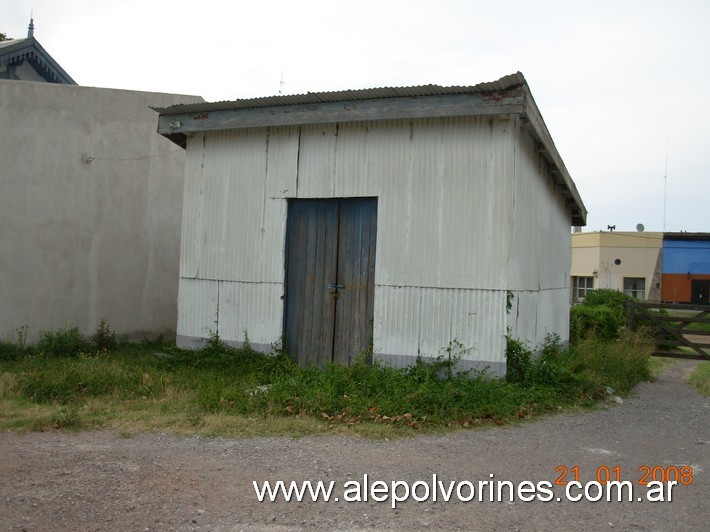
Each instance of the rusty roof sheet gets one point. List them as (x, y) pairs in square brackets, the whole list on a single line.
[(504, 83)]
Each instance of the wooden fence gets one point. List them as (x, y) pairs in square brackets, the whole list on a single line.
[(680, 331)]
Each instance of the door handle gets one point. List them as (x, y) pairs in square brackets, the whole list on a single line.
[(334, 289)]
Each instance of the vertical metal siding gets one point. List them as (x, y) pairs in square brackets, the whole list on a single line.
[(233, 232), (316, 161), (224, 176), (282, 162), (192, 226), (540, 250), (197, 308), (536, 314), (424, 321), (250, 310), (448, 189), (448, 232)]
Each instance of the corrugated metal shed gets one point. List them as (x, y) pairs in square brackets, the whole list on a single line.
[(474, 206)]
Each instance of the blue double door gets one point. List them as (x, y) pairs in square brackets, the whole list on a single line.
[(330, 279)]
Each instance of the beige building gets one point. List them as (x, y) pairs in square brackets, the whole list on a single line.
[(626, 261)]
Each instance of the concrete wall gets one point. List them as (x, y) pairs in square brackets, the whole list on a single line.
[(90, 210)]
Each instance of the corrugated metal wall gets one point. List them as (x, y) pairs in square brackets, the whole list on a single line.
[(448, 248), (425, 321), (540, 250)]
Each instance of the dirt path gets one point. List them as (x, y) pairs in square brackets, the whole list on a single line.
[(100, 481)]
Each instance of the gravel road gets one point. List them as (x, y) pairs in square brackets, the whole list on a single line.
[(101, 481)]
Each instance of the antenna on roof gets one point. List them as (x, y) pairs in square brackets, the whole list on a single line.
[(665, 184), (31, 27), (282, 83)]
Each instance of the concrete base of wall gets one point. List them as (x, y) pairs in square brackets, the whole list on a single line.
[(193, 342), (492, 369)]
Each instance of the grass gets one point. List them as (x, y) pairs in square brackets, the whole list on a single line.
[(69, 383), (698, 327), (689, 314), (700, 378)]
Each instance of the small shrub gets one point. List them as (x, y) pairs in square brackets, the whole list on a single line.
[(621, 364), (10, 350), (607, 297), (441, 367), (62, 343), (518, 360), (104, 339), (22, 337), (602, 321), (549, 369), (602, 314)]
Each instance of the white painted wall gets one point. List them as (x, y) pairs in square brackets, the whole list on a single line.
[(540, 251), (81, 242)]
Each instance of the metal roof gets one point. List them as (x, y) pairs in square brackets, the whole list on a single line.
[(509, 94), (504, 83), (684, 236)]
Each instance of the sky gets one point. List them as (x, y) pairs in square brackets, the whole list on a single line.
[(621, 84)]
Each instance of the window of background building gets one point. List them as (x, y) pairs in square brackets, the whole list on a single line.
[(635, 287), (580, 287)]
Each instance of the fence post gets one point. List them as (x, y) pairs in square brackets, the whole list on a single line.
[(631, 315)]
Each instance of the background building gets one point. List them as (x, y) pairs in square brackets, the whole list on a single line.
[(27, 60), (667, 267), (686, 268), (90, 210), (626, 261)]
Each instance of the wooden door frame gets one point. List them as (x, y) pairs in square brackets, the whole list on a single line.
[(335, 255)]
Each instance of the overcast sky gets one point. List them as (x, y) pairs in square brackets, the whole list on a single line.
[(622, 85)]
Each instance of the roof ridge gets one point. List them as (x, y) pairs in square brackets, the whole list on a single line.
[(506, 82)]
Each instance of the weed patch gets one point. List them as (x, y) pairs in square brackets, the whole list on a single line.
[(70, 383), (700, 378), (601, 316)]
